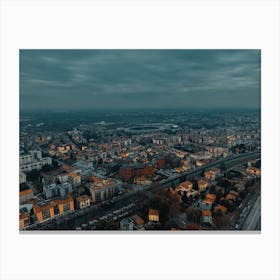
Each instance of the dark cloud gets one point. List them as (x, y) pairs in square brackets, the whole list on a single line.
[(118, 79)]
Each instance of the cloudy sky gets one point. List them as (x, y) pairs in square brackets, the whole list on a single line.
[(134, 79)]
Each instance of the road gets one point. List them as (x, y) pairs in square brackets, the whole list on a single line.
[(96, 211), (229, 162), (75, 219), (252, 220)]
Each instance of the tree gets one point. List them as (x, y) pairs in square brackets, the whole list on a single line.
[(106, 225), (222, 167), (258, 164), (55, 163), (218, 213), (162, 207), (189, 211), (224, 183), (195, 185), (33, 175), (192, 226), (197, 215), (47, 168), (221, 222), (193, 214)]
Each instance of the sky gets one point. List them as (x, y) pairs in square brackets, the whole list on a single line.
[(139, 79)]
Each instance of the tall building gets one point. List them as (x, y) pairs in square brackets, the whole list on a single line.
[(103, 190), (128, 172)]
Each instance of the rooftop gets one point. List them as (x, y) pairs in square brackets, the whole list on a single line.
[(138, 220), (83, 198), (26, 192), (153, 212)]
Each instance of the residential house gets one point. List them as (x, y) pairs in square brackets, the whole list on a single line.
[(44, 211), (153, 215), (65, 205), (82, 202)]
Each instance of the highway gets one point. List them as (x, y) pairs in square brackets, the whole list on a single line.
[(252, 220), (228, 162)]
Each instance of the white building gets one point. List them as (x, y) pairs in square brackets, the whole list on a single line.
[(126, 224), (64, 177), (64, 189), (50, 191), (33, 160), (22, 177)]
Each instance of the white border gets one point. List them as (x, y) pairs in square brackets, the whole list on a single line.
[(156, 24)]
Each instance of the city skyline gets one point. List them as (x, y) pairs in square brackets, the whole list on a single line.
[(140, 140), (131, 79)]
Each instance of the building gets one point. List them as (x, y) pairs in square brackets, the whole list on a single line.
[(138, 222), (240, 186), (220, 208), (25, 195), (82, 202), (66, 168), (216, 171), (25, 159), (63, 177), (153, 215), (75, 179), (204, 205), (33, 160), (24, 220), (206, 217), (128, 172), (210, 175), (184, 186), (202, 185), (126, 224), (231, 197), (103, 190), (65, 205), (142, 180), (64, 189), (50, 190), (199, 163), (210, 198), (22, 178), (44, 211), (160, 163), (253, 171)]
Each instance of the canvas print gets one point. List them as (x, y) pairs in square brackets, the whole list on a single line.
[(140, 140)]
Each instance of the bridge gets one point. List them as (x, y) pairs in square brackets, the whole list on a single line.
[(228, 162)]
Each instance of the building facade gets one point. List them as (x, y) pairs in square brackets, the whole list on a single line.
[(65, 205), (44, 211), (82, 202)]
